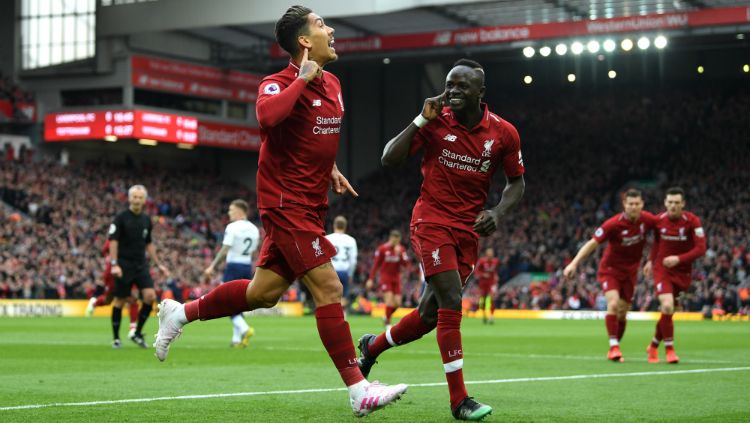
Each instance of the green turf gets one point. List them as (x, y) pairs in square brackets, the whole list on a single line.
[(49, 360)]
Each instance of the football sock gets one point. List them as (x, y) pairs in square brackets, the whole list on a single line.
[(116, 318), (621, 328), (449, 342), (240, 327), (657, 335), (337, 339), (408, 329), (101, 300), (133, 312), (142, 317), (611, 322), (667, 329), (225, 300), (388, 313)]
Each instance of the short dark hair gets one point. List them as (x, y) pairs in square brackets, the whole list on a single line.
[(290, 26), (632, 193), (676, 191), (471, 64), (240, 204)]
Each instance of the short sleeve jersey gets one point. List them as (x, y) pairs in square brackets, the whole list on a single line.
[(458, 164), (133, 233), (625, 241), (242, 237), (297, 155)]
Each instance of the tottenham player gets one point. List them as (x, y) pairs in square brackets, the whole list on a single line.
[(345, 260), (239, 246), (463, 145), (679, 240), (300, 111), (625, 234)]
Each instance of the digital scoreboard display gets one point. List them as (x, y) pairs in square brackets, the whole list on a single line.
[(164, 127)]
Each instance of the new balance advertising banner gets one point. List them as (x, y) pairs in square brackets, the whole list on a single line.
[(510, 33)]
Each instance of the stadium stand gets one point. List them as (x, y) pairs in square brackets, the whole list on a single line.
[(650, 140)]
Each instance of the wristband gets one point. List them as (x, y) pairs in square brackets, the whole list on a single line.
[(113, 262), (420, 121)]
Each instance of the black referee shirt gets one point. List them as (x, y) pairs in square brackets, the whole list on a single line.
[(133, 233)]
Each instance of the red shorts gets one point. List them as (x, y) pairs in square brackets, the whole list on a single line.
[(624, 284), (295, 241), (669, 282), (487, 287), (390, 285), (442, 248)]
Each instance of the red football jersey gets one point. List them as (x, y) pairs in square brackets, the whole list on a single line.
[(486, 269), (458, 165), (390, 260), (625, 241), (682, 237), (300, 126)]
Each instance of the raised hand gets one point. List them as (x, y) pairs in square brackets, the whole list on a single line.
[(309, 69), (433, 106)]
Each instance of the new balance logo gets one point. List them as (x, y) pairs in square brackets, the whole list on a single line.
[(316, 247), (316, 102), (450, 138), (436, 257)]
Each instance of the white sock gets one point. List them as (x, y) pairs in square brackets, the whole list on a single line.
[(92, 301), (181, 318), (240, 325), (613, 342), (358, 389), (235, 335)]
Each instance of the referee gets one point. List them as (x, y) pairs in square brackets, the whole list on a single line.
[(129, 240)]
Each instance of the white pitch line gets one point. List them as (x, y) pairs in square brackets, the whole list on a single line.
[(415, 385), (509, 355)]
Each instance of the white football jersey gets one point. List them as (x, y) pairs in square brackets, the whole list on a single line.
[(346, 252), (242, 237)]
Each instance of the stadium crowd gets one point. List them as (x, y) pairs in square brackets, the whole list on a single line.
[(580, 151), (57, 250), (12, 101)]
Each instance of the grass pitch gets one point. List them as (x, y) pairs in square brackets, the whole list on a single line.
[(528, 370)]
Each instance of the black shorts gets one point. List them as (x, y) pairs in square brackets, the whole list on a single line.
[(132, 274)]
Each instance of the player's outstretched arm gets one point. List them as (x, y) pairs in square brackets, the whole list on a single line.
[(397, 149), (585, 251), (488, 220)]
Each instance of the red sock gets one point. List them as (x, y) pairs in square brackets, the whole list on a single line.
[(133, 312), (667, 329), (388, 313), (449, 342), (657, 336), (225, 300), (611, 322), (492, 306), (337, 339), (408, 329), (621, 328), (101, 300)]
